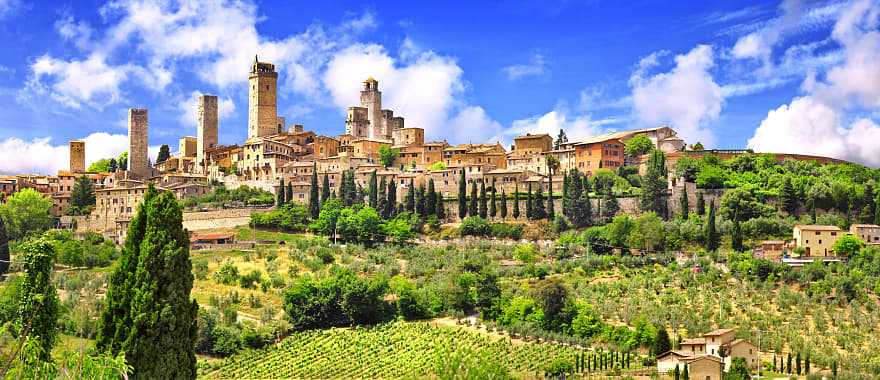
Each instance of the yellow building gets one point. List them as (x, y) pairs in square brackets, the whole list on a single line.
[(869, 233), (817, 240)]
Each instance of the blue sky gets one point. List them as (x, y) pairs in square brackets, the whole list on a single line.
[(793, 76)]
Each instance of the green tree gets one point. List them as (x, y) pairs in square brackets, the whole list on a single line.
[(552, 168), (112, 165), (382, 197), (561, 138), (701, 204), (421, 202), (325, 189), (441, 208), (164, 154), (280, 196), (484, 209), (391, 203), (288, 194), (387, 155), (683, 203), (38, 305), (462, 195), (314, 196), (610, 207), (676, 374), (797, 364), (736, 238), (100, 166), (431, 201), (530, 208), (503, 210), (26, 212), (788, 198), (516, 202), (553, 297), (711, 235), (411, 197), (661, 343), (653, 197), (373, 191), (4, 249), (847, 246), (82, 197), (739, 370), (638, 146), (685, 375), (473, 208), (540, 212), (493, 207), (122, 160)]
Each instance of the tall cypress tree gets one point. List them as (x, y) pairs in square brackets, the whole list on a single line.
[(683, 202), (472, 205), (411, 197), (314, 197), (551, 208), (566, 202), (163, 330), (700, 204), (431, 201), (462, 195), (38, 305), (288, 197), (530, 212), (538, 205), (382, 197), (391, 203), (711, 233), (516, 202), (685, 375), (4, 249), (373, 192), (493, 208), (654, 184), (421, 202), (441, 207), (484, 209), (788, 199), (736, 240), (280, 198), (325, 189), (116, 320), (503, 210)]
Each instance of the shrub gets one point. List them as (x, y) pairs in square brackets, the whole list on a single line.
[(474, 226), (226, 274), (507, 231), (249, 280)]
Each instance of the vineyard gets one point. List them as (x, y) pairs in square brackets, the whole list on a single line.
[(393, 350)]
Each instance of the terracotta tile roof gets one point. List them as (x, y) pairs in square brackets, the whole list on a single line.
[(718, 332), (816, 227), (693, 341)]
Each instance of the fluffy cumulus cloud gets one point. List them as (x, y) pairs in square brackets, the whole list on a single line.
[(816, 123), (75, 83), (535, 68), (41, 156), (576, 126), (687, 97), (188, 107)]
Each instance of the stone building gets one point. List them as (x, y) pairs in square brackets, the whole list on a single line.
[(138, 156), (600, 152), (816, 240), (206, 129), (77, 156), (369, 120), (262, 100), (529, 144), (187, 146)]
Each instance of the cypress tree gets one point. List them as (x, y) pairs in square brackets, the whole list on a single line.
[(566, 201), (676, 375), (788, 364), (116, 320), (441, 208), (391, 203), (530, 212), (288, 197), (382, 197), (516, 202), (4, 249), (503, 210), (314, 196), (280, 198), (610, 207), (163, 330), (683, 202), (325, 189), (711, 233), (538, 205), (421, 202), (473, 210), (551, 212), (701, 204), (373, 192), (797, 363), (736, 241), (38, 305), (493, 208), (662, 342), (484, 209), (462, 195), (411, 197), (834, 370), (431, 201), (807, 364), (654, 184), (788, 199), (685, 375)]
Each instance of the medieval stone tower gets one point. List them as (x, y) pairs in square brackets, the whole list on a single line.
[(371, 99), (262, 100), (77, 156), (138, 159), (207, 126)]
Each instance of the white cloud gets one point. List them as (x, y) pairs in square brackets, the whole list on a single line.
[(472, 124), (90, 81), (188, 108), (686, 97), (576, 126), (535, 68), (79, 32), (423, 90), (9, 7), (42, 157)]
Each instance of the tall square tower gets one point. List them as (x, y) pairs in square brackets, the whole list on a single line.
[(262, 100), (77, 156), (371, 99), (138, 159), (207, 127)]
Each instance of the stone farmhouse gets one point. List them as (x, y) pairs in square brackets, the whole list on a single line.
[(710, 354)]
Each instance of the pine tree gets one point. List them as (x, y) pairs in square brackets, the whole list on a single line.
[(462, 195), (431, 201), (112, 165), (116, 320), (411, 197), (382, 197), (164, 154), (280, 198), (560, 139), (516, 202), (484, 209), (163, 329), (683, 202), (701, 204), (473, 209), (391, 203), (788, 199), (610, 207), (374, 197), (530, 212), (38, 305), (661, 343), (314, 196), (712, 238), (503, 204), (4, 249), (421, 202), (493, 207), (325, 189), (82, 197)]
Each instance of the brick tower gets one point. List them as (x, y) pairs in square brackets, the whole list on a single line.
[(262, 100), (371, 99), (206, 125), (138, 159), (77, 156)]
